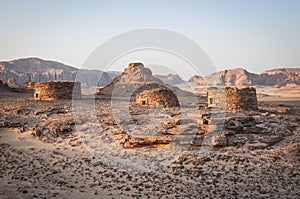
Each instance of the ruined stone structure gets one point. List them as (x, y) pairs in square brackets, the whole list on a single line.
[(156, 96), (232, 98), (53, 90), (29, 85)]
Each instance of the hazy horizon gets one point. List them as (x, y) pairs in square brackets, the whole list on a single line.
[(154, 68)]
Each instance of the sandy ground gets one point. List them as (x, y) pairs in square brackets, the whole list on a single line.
[(32, 169), (73, 165), (283, 95)]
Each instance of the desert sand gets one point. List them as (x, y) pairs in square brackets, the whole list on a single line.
[(51, 149)]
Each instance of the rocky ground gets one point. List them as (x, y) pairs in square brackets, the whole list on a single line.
[(94, 149)]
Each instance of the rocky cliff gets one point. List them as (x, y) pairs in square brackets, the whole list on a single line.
[(4, 87), (17, 72), (170, 79), (240, 77), (279, 77), (136, 77), (35, 69)]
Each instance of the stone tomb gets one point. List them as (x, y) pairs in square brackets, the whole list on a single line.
[(29, 85), (53, 90), (157, 96), (232, 98)]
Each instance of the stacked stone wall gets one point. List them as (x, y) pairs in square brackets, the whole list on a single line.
[(231, 98), (158, 96), (53, 90)]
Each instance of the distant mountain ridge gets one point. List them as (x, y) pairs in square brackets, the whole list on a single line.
[(37, 70), (282, 70), (17, 72), (240, 77), (170, 79)]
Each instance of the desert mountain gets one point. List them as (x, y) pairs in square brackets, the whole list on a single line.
[(282, 71), (35, 69), (4, 87), (279, 77), (93, 78), (240, 77), (17, 72), (232, 77), (170, 79), (133, 76), (113, 74), (136, 77)]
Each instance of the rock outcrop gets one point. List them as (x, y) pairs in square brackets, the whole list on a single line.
[(257, 131), (4, 87), (132, 142), (133, 77), (12, 83), (233, 77), (198, 79)]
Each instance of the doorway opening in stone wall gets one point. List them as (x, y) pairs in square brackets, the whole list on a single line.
[(211, 100)]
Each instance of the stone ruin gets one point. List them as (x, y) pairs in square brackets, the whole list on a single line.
[(55, 90), (157, 96), (232, 98), (137, 78), (135, 92), (29, 85)]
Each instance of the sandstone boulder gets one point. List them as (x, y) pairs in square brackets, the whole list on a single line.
[(132, 142)]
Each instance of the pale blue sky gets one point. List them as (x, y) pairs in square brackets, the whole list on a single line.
[(254, 34)]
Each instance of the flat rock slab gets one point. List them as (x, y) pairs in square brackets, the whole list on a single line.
[(145, 141)]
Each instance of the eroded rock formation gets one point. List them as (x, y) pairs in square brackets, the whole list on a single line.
[(133, 77)]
